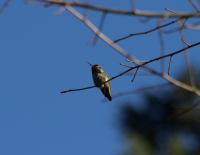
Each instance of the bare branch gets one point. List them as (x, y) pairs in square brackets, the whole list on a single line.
[(86, 9), (177, 83), (117, 11), (169, 10), (137, 91), (194, 27), (191, 75), (162, 48), (139, 74), (194, 5), (169, 65), (126, 54), (94, 39), (123, 52), (4, 6), (185, 42), (138, 17), (135, 74), (77, 89), (136, 61), (59, 11), (146, 32), (125, 65)]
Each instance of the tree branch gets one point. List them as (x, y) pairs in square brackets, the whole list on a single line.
[(116, 11)]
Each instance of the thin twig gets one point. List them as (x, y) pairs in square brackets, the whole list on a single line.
[(162, 48), (59, 11), (137, 91), (191, 75), (135, 74), (94, 39), (170, 65), (117, 11), (169, 10), (134, 10), (125, 65), (146, 32), (139, 74), (189, 66), (86, 9), (193, 27), (185, 42), (194, 5), (188, 110), (77, 89), (136, 61), (4, 6)]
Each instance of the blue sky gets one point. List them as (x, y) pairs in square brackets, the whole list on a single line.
[(43, 54)]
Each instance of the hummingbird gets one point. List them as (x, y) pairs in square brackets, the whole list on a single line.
[(99, 77)]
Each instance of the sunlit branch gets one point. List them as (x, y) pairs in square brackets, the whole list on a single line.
[(126, 54), (117, 11), (136, 61)]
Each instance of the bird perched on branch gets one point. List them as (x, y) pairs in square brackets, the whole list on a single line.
[(99, 77)]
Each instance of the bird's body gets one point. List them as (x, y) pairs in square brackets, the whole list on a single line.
[(99, 77)]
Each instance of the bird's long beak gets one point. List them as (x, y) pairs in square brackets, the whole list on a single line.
[(89, 63)]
